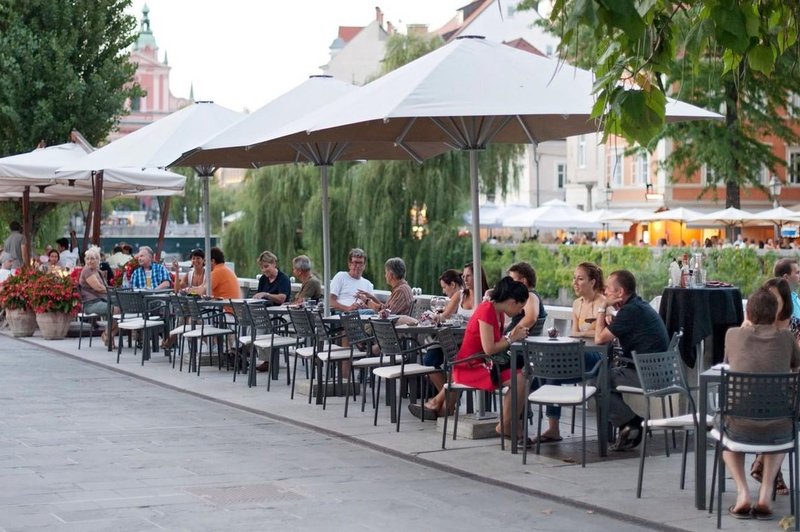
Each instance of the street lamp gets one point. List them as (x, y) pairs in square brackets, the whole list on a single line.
[(609, 193), (775, 189)]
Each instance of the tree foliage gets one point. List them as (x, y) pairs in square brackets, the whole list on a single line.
[(737, 57), (370, 204), (64, 64)]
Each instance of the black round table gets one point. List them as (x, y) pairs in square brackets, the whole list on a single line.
[(701, 312)]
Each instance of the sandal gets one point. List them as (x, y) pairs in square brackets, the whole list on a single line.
[(742, 513), (780, 485), (757, 469)]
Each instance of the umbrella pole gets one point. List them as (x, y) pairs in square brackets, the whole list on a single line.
[(326, 238), (476, 227), (163, 228), (98, 208), (207, 229), (26, 226)]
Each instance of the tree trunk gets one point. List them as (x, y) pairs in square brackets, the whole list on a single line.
[(733, 179)]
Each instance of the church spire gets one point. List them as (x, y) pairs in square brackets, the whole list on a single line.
[(146, 38)]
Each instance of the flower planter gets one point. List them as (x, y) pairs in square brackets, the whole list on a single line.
[(21, 322), (54, 325)]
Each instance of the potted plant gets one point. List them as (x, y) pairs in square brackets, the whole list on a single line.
[(55, 300), (15, 300)]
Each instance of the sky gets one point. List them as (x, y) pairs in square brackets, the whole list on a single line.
[(244, 53)]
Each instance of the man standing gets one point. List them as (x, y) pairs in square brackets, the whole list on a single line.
[(68, 250), (224, 283), (13, 244), (149, 275), (310, 288), (274, 285), (789, 270), (345, 286), (639, 328)]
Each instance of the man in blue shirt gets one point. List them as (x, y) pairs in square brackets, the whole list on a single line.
[(789, 270), (149, 275)]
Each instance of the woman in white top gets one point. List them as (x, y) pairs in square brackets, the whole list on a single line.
[(194, 280), (453, 287), (468, 303)]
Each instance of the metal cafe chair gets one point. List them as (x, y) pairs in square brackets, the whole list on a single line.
[(135, 315), (557, 361), (404, 364), (661, 375), (758, 397), (360, 341), (204, 327)]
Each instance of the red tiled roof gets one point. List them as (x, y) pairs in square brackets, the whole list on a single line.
[(346, 33), (522, 44)]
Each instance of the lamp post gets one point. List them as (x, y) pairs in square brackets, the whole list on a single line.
[(609, 194), (775, 190)]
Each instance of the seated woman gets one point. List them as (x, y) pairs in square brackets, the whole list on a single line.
[(468, 302), (758, 347), (193, 281), (484, 335), (587, 281), (779, 287), (94, 290), (52, 265), (522, 272), (453, 287)]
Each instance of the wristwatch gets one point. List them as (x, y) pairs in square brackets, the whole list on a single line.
[(601, 310)]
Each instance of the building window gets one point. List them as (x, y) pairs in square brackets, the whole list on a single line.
[(135, 103), (641, 171), (582, 151), (708, 176), (793, 162), (561, 175), (615, 163)]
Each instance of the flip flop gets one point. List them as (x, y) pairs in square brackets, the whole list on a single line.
[(743, 513), (546, 439), (419, 411), (762, 513)]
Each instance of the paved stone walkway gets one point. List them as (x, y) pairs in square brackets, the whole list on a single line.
[(85, 448)]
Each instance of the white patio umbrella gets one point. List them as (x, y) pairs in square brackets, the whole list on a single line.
[(465, 95), (37, 169), (726, 217), (159, 144), (778, 216), (681, 214), (553, 214), (252, 143), (603, 215)]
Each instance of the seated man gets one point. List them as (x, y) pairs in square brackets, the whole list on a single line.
[(638, 328), (224, 283), (346, 287), (311, 288), (149, 275), (401, 299), (68, 250), (274, 285)]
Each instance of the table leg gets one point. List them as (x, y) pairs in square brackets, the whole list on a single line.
[(605, 390), (700, 448), (320, 380), (514, 406)]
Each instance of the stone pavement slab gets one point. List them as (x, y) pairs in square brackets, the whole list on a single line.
[(128, 440)]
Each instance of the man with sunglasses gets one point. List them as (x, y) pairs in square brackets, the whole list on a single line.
[(347, 287)]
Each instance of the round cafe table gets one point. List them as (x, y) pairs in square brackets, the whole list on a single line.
[(701, 312)]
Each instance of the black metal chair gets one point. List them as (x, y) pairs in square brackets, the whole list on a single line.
[(331, 356), (758, 397), (135, 315), (206, 325), (557, 361), (359, 339), (661, 375), (305, 345), (392, 350), (270, 341)]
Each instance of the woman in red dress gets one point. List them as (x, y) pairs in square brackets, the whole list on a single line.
[(484, 334)]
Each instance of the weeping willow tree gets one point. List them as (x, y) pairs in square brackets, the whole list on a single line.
[(371, 205)]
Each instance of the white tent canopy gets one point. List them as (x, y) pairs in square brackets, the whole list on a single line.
[(776, 216), (724, 217), (680, 214), (553, 214)]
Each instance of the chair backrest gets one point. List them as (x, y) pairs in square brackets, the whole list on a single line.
[(130, 302), (192, 304), (661, 374), (759, 396), (675, 341), (386, 335), (556, 361), (260, 318), (303, 323), (320, 329), (447, 339), (538, 327), (354, 327), (418, 307), (177, 306)]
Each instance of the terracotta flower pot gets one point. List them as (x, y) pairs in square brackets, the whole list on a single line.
[(21, 322), (54, 325)]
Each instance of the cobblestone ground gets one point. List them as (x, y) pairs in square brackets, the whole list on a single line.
[(84, 448)]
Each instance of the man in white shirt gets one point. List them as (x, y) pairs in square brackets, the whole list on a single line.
[(346, 287), (6, 266), (68, 250)]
